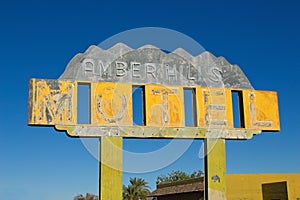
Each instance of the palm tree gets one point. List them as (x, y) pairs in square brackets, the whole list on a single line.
[(138, 189)]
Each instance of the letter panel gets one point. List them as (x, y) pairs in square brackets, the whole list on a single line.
[(111, 103), (213, 108), (52, 102), (164, 106), (261, 110)]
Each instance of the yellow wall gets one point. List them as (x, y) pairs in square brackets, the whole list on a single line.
[(249, 186)]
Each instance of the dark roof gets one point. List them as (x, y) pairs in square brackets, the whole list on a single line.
[(185, 186)]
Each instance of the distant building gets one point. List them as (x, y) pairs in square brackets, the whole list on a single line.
[(263, 186), (239, 186), (192, 189)]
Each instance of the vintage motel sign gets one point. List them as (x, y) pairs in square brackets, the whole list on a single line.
[(112, 74), (162, 79)]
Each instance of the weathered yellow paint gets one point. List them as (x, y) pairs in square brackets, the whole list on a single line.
[(111, 104), (261, 110), (229, 109), (215, 169), (249, 186), (200, 107), (214, 107), (164, 106), (208, 98), (52, 102), (110, 186)]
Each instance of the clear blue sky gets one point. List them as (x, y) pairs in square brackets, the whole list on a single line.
[(38, 38)]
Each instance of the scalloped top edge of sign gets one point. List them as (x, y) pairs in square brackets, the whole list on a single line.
[(150, 65)]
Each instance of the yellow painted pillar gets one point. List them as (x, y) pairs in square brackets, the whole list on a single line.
[(215, 169), (110, 174)]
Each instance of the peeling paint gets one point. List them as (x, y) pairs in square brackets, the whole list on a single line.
[(54, 102)]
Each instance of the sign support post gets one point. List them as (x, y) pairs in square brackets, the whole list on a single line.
[(215, 169), (110, 168)]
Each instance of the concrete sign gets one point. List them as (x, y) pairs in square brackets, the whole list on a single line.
[(111, 74)]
